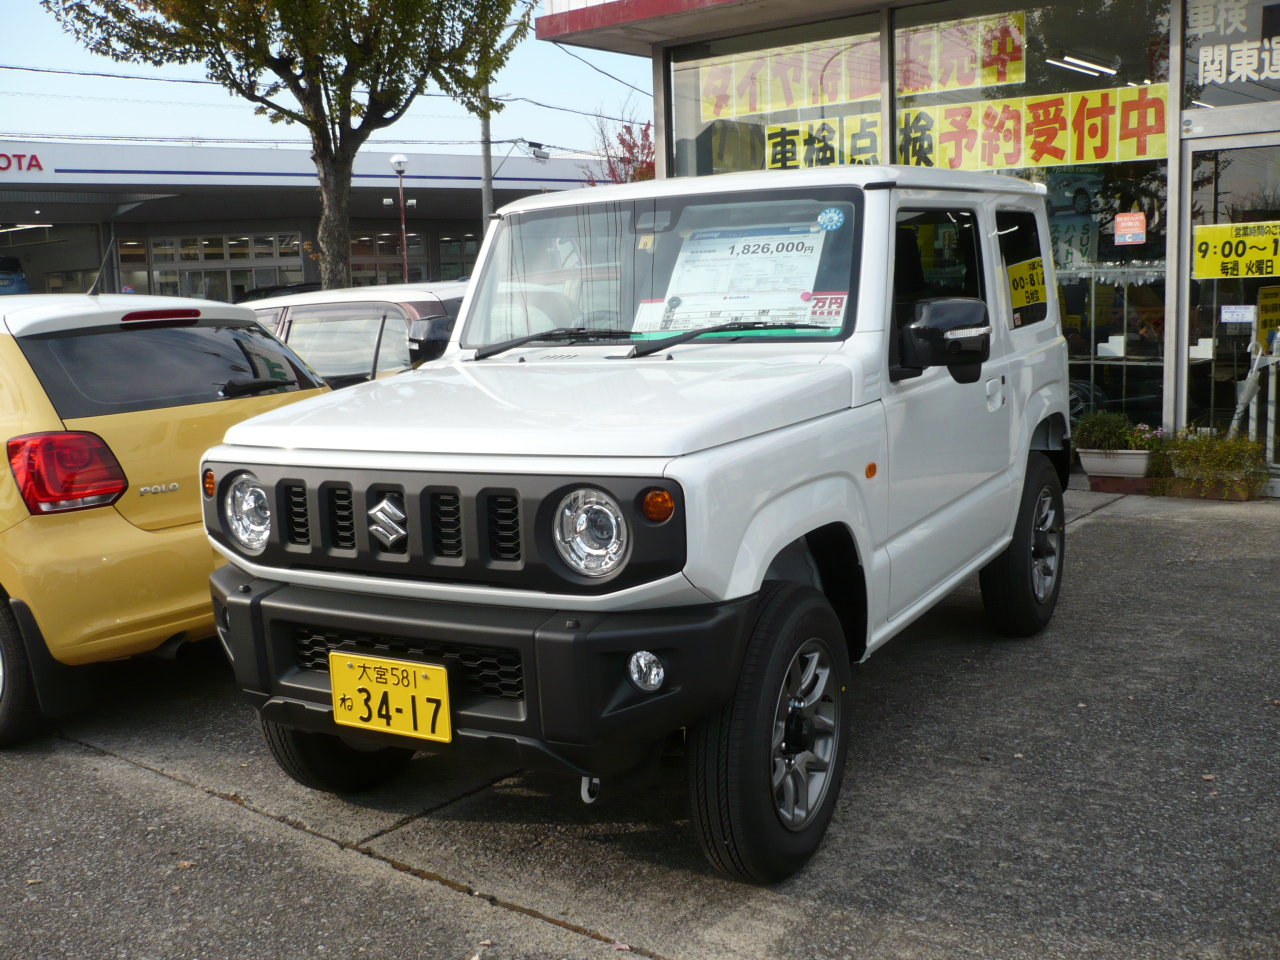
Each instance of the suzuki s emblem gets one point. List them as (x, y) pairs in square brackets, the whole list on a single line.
[(158, 488), (385, 522)]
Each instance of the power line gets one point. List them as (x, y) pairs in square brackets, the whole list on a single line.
[(644, 93), (262, 141)]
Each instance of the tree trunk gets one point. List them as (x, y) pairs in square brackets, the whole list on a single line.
[(335, 226)]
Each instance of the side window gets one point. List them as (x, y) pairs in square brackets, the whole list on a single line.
[(937, 253), (393, 351), (270, 318), (338, 340), (1023, 266)]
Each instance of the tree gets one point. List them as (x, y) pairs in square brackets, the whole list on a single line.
[(624, 150), (350, 66)]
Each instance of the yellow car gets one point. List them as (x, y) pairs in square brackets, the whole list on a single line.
[(106, 404)]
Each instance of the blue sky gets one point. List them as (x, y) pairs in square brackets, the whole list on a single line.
[(33, 103)]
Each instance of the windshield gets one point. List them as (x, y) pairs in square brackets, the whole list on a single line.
[(664, 266)]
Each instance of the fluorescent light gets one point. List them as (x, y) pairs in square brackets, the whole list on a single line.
[(26, 226), (1131, 84), (1200, 104), (1147, 82), (1068, 66), (1088, 64)]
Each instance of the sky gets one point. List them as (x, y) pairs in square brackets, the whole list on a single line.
[(34, 103)]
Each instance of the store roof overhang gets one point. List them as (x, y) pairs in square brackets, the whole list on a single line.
[(637, 26)]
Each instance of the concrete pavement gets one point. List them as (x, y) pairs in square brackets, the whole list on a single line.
[(1039, 798)]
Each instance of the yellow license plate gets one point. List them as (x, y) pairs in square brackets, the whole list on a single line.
[(394, 696)]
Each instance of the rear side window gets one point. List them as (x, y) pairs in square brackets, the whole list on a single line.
[(10, 265), (1023, 266), (122, 369)]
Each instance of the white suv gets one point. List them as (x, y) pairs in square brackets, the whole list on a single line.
[(694, 448)]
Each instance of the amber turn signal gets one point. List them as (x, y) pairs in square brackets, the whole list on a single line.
[(871, 470), (658, 506), (208, 483)]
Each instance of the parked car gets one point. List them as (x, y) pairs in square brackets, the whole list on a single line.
[(12, 278), (365, 333), (696, 449), (1074, 190), (109, 403)]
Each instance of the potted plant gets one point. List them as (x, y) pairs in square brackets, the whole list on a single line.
[(1216, 467), (1111, 446)]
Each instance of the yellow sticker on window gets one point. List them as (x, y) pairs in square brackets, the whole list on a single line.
[(1026, 283), (646, 241)]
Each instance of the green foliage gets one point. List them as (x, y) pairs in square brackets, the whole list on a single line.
[(1238, 463), (1114, 431)]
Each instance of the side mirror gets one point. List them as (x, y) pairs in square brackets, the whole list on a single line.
[(429, 337), (952, 332)]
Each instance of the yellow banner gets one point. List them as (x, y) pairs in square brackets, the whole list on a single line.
[(1268, 316), (1026, 283), (1236, 250), (806, 144)]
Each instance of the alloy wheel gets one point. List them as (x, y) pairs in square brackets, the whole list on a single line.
[(806, 729), (1046, 545)]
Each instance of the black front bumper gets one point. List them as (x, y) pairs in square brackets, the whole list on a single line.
[(530, 687)]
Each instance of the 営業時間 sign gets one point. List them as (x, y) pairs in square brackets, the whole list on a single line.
[(1235, 250)]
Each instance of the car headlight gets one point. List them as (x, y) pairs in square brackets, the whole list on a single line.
[(591, 533), (247, 512)]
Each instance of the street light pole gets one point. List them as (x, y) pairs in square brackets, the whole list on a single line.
[(486, 166), (401, 163)]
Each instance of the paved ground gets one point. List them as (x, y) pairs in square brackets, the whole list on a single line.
[(1031, 799)]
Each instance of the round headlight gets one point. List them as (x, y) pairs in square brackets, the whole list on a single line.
[(247, 511), (591, 533)]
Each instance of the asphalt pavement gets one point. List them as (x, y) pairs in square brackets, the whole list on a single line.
[(1105, 790)]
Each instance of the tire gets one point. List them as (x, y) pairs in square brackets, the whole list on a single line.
[(326, 762), (738, 775), (1081, 202), (20, 714), (1020, 587)]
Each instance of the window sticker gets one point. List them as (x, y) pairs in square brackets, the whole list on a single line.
[(831, 218), (764, 273), (1026, 283), (1235, 250)]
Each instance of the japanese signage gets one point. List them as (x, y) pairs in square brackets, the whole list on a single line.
[(1130, 228), (961, 55), (1235, 250), (823, 143), (1233, 42), (1026, 283), (827, 73), (1074, 239), (1268, 316), (762, 273), (1095, 126)]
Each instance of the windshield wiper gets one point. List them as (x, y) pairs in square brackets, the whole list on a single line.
[(243, 388), (559, 333), (654, 346)]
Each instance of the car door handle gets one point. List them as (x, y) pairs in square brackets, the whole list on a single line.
[(995, 395)]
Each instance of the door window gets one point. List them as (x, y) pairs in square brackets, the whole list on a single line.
[(340, 341), (937, 253), (393, 351), (1020, 253)]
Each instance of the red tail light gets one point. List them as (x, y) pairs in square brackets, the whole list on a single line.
[(57, 472)]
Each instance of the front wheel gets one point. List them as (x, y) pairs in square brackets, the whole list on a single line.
[(323, 761), (765, 770), (1020, 586)]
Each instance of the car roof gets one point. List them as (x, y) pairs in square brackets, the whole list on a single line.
[(26, 314), (856, 175), (385, 293)]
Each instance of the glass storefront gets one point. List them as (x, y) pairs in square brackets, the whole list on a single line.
[(376, 258), (215, 267)]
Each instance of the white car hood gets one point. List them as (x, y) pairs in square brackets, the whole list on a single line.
[(590, 408)]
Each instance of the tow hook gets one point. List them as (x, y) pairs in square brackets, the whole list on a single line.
[(590, 789)]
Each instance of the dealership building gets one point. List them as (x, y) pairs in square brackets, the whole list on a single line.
[(218, 222), (1154, 126)]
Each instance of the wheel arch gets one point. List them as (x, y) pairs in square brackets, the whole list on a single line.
[(1052, 438), (827, 558)]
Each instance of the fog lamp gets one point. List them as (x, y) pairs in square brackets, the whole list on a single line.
[(646, 671), (247, 512)]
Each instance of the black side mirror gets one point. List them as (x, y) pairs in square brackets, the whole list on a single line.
[(429, 337), (952, 332)]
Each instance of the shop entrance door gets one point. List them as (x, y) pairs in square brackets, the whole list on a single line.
[(1233, 294)]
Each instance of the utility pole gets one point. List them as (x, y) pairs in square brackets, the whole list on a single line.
[(486, 166), (401, 163)]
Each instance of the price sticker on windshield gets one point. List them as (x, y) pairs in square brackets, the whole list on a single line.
[(1221, 250)]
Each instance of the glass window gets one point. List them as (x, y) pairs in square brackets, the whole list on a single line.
[(388, 244), (937, 253), (1232, 55), (290, 245), (269, 316), (289, 275), (450, 245), (133, 281), (363, 245), (338, 340), (237, 248), (241, 283), (1023, 265), (264, 277), (162, 250), (214, 247), (785, 100), (364, 274), (417, 245), (133, 251), (393, 351), (165, 283), (781, 258), (121, 369), (264, 247), (189, 248)]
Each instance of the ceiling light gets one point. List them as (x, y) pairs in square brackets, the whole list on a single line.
[(1200, 103), (25, 226), (37, 211), (1088, 64), (1068, 66)]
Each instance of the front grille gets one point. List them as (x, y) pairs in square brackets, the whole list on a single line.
[(483, 671), (446, 524), (342, 519), (297, 522), (504, 528)]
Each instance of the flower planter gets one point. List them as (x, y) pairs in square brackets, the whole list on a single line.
[(1115, 463)]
